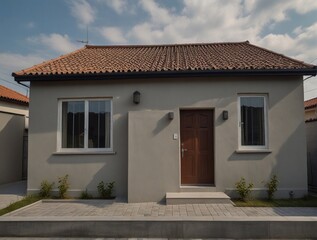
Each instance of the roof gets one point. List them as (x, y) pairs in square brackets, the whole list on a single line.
[(9, 95), (124, 59), (311, 103)]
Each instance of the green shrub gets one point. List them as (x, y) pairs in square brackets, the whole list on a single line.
[(46, 188), (105, 190), (85, 195), (272, 187), (243, 189), (63, 186)]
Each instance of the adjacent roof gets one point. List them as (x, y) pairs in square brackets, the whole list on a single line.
[(9, 95), (202, 57), (311, 103)]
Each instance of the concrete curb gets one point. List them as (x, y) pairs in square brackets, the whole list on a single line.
[(164, 227)]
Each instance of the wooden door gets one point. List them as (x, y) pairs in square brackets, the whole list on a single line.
[(197, 147)]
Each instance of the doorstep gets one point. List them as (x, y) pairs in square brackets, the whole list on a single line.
[(173, 198)]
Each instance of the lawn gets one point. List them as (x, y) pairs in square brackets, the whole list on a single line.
[(302, 202), (19, 204)]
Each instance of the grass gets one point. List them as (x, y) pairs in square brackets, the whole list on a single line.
[(302, 202), (19, 204)]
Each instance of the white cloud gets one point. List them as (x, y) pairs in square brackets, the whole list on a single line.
[(302, 46), (56, 42), (226, 20), (11, 62), (82, 11), (113, 34), (119, 6)]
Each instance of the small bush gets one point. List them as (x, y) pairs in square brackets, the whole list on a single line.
[(272, 187), (243, 189), (85, 195), (63, 186), (46, 188), (105, 190)]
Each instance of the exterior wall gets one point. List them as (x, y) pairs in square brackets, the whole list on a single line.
[(311, 113), (311, 131), (11, 146), (147, 160), (14, 108)]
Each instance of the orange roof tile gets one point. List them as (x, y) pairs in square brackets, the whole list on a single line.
[(160, 58), (311, 103), (7, 94)]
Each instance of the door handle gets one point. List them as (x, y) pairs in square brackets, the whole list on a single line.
[(183, 150)]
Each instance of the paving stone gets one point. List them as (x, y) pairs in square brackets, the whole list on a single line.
[(99, 208)]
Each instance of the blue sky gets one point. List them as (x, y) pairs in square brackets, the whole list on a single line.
[(36, 30)]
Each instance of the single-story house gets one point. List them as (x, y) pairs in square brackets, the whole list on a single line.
[(13, 123), (160, 119), (311, 109), (311, 131)]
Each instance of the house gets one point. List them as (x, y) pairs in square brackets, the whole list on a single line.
[(13, 118), (311, 131), (168, 118), (311, 109)]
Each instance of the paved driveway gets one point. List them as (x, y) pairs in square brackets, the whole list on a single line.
[(99, 208), (12, 192)]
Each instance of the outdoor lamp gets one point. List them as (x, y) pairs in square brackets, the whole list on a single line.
[(171, 115), (136, 97), (225, 115)]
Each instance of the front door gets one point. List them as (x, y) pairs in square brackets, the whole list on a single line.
[(197, 154)]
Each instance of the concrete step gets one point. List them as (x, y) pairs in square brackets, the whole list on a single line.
[(196, 197), (197, 189)]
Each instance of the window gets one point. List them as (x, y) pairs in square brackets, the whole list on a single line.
[(85, 125), (252, 122)]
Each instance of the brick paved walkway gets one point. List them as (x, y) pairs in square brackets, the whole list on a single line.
[(151, 209)]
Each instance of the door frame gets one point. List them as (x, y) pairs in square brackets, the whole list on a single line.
[(212, 109)]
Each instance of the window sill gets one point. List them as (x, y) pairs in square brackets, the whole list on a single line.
[(253, 151), (84, 153)]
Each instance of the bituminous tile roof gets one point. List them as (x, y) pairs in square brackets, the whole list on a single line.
[(311, 103), (158, 58), (7, 94)]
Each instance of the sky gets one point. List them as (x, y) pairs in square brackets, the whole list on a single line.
[(33, 31)]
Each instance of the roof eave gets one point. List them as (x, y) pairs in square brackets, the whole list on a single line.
[(15, 101), (165, 74)]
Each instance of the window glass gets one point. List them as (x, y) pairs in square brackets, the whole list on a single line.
[(99, 124), (86, 124), (73, 124), (252, 121)]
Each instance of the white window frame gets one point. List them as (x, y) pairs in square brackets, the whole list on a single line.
[(85, 149), (254, 147)]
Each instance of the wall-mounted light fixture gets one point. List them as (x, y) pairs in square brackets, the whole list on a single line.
[(171, 115), (225, 115), (136, 97)]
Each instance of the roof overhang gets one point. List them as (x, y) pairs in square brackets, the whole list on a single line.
[(10, 100), (165, 74)]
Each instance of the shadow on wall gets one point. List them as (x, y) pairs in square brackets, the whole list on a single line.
[(161, 124), (291, 162), (11, 147)]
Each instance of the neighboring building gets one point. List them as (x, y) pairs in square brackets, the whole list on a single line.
[(311, 132), (311, 109), (168, 118), (13, 119)]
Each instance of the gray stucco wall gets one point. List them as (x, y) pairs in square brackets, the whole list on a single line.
[(139, 167), (311, 130), (11, 146)]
